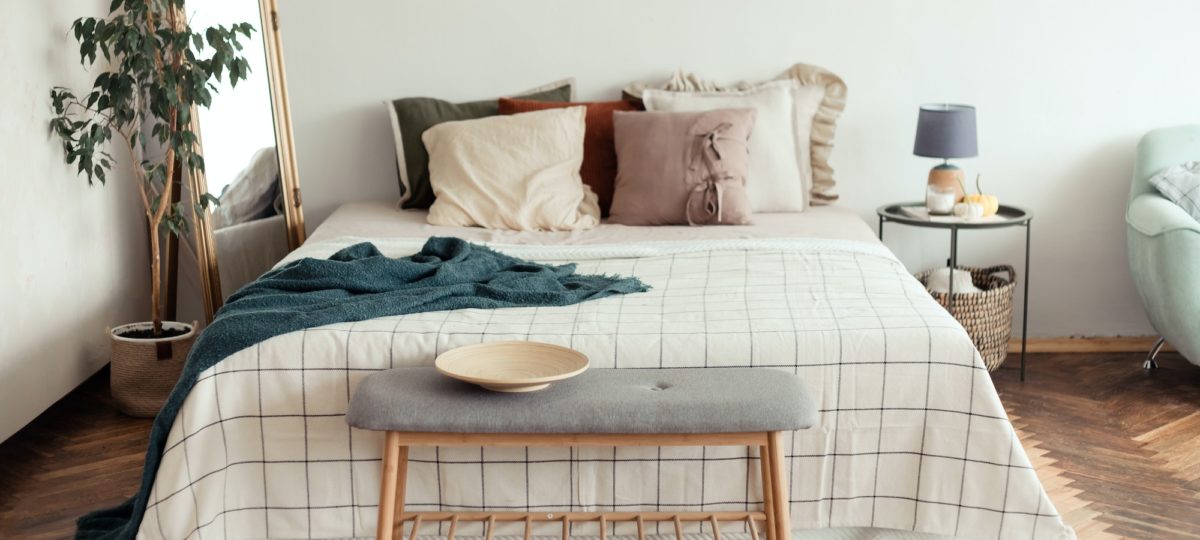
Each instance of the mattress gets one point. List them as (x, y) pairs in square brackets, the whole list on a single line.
[(912, 435), (383, 220)]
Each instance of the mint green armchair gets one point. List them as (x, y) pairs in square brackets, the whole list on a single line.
[(1164, 244)]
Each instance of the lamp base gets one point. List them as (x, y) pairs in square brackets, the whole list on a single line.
[(947, 176)]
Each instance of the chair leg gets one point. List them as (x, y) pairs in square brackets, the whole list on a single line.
[(779, 487), (764, 458), (387, 487), (1150, 363)]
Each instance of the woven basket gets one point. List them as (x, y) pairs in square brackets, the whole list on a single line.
[(145, 370), (986, 315)]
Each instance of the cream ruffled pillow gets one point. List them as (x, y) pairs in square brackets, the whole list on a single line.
[(819, 131), (518, 172), (779, 159)]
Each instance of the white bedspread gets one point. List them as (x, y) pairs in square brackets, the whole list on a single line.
[(912, 433)]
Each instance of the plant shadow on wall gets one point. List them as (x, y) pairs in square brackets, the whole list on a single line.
[(158, 69)]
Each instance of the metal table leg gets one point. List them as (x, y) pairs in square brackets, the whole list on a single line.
[(953, 265), (1025, 303), (880, 228)]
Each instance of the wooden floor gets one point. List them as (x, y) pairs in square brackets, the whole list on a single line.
[(78, 456), (1118, 449)]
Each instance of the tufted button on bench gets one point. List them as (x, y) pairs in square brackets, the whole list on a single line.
[(641, 407)]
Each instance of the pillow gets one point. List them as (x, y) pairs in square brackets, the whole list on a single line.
[(821, 186), (599, 157), (682, 168), (412, 116), (777, 159), (518, 172), (252, 193), (1181, 185)]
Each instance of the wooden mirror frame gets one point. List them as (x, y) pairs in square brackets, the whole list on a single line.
[(289, 179)]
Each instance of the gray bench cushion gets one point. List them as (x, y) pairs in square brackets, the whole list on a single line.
[(710, 400)]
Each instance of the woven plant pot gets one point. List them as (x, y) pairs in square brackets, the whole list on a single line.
[(986, 315), (145, 370)]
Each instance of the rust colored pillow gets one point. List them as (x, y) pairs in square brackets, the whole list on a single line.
[(682, 168), (599, 170)]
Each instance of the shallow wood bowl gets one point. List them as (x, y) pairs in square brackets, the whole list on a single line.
[(512, 366)]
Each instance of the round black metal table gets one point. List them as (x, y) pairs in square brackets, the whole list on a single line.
[(1010, 216)]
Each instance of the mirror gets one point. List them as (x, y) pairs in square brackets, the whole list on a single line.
[(246, 142)]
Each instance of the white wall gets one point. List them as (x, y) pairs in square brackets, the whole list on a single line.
[(72, 257), (1064, 90)]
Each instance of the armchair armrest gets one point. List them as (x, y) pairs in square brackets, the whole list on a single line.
[(1153, 215)]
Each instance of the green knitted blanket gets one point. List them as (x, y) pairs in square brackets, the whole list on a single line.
[(355, 284)]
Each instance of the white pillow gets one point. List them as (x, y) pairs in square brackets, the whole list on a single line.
[(779, 160), (821, 186), (518, 172), (1181, 185)]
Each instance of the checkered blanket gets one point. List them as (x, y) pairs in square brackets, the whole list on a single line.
[(912, 434)]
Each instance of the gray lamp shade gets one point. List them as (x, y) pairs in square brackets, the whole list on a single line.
[(946, 131)]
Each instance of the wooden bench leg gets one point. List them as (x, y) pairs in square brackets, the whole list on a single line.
[(779, 487), (391, 490), (401, 487), (764, 459)]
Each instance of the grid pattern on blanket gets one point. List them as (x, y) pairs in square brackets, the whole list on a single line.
[(912, 434)]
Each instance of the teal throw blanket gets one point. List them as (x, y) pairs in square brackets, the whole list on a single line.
[(355, 284)]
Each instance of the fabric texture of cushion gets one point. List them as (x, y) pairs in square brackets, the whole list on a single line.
[(412, 116), (1181, 185), (777, 159), (599, 169), (252, 194), (822, 186), (676, 401), (518, 172), (678, 168)]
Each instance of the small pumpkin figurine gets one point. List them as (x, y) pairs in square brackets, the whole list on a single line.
[(989, 203)]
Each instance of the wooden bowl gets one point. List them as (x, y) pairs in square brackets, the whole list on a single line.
[(512, 366)]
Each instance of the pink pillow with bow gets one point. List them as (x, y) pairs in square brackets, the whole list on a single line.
[(677, 168)]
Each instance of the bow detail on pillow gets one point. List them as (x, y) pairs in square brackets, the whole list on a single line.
[(707, 174), (709, 194), (704, 149)]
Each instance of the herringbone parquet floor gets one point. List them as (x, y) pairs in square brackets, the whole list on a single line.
[(1118, 449)]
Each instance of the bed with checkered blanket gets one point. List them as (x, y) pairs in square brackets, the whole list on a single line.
[(912, 434)]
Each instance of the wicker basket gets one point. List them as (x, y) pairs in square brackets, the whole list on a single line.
[(986, 315), (145, 370)]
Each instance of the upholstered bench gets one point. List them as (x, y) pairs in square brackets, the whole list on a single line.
[(601, 407)]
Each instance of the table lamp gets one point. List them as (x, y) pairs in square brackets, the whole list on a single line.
[(946, 131)]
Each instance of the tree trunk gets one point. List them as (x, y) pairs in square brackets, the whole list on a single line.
[(155, 278)]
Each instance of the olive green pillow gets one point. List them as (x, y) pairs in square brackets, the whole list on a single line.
[(412, 116)]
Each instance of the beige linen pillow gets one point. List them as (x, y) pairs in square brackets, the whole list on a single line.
[(682, 168), (518, 172), (779, 160), (821, 186)]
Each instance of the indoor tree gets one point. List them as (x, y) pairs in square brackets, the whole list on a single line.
[(158, 69)]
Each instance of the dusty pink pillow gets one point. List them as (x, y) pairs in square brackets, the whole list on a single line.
[(682, 168)]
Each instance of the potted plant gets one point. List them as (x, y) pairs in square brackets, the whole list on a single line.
[(157, 70)]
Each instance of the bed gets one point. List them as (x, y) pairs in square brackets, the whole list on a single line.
[(912, 434)]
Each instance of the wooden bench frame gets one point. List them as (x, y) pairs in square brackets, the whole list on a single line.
[(395, 477)]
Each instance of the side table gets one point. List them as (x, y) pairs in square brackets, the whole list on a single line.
[(1010, 216)]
